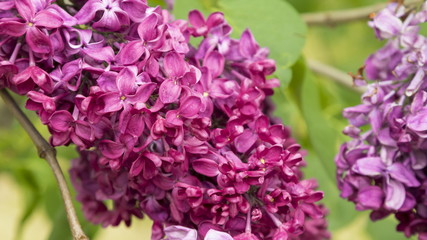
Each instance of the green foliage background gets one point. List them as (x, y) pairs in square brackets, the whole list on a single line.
[(310, 104)]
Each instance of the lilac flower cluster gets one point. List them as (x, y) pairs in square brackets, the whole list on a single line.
[(179, 133), (384, 167)]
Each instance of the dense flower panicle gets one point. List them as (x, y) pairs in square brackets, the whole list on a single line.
[(180, 133), (384, 167)]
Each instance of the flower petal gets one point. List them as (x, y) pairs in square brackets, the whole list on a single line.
[(25, 9), (48, 19), (142, 94), (418, 122), (108, 22), (180, 233), (88, 11), (215, 19), (215, 62), (126, 81), (136, 167), (174, 65), (217, 235), (205, 166), (248, 46), (190, 107), (100, 54), (172, 118), (388, 24), (169, 91), (67, 19), (369, 166), (370, 197), (401, 173), (135, 9), (48, 103), (110, 149), (196, 18), (107, 82), (395, 196), (245, 141), (111, 101), (415, 82), (13, 28), (131, 52), (84, 130), (60, 121), (147, 28), (38, 41)]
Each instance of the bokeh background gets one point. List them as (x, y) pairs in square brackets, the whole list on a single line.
[(30, 204)]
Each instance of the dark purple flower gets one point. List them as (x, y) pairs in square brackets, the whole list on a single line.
[(381, 168)]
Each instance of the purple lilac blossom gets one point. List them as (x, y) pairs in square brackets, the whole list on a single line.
[(383, 168), (177, 132)]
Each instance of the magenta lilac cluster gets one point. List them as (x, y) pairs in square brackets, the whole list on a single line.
[(384, 167), (177, 132)]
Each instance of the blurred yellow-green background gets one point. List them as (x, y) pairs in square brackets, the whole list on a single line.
[(30, 206)]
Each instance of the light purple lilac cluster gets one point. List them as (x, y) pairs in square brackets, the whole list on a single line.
[(384, 167), (179, 133)]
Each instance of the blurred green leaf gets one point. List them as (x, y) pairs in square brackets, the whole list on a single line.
[(183, 7), (154, 3), (287, 102), (318, 137), (341, 212), (52, 202), (322, 135), (377, 229), (294, 90), (60, 227), (321, 103), (54, 208), (31, 190)]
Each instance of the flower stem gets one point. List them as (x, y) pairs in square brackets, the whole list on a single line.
[(275, 220), (47, 152), (332, 18), (248, 228), (31, 57), (15, 52), (334, 74)]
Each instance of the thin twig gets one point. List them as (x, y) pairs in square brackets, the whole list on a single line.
[(332, 18), (47, 152), (334, 74)]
